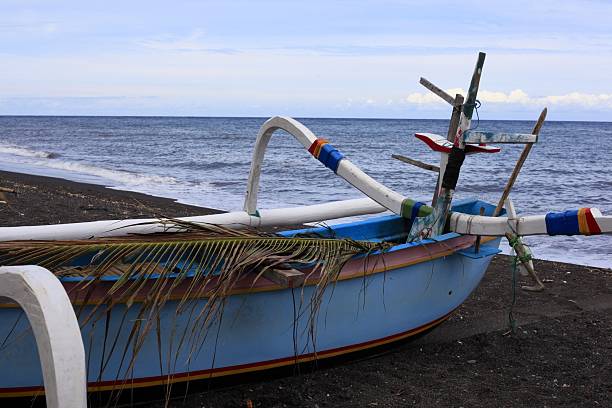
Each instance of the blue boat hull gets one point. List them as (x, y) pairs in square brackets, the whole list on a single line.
[(266, 328)]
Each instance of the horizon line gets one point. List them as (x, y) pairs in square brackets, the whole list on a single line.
[(267, 117)]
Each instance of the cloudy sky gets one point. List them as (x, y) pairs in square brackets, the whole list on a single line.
[(304, 58)]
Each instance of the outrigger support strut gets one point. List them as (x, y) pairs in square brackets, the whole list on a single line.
[(333, 159), (56, 331), (522, 252)]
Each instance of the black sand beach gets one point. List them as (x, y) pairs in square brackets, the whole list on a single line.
[(48, 200), (559, 355)]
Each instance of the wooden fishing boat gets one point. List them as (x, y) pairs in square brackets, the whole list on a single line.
[(388, 295), (166, 301)]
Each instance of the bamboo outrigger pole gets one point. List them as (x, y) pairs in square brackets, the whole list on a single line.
[(518, 246), (519, 164)]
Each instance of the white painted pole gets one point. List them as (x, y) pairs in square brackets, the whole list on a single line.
[(526, 225), (238, 219), (56, 329)]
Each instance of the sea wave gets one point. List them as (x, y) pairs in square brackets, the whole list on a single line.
[(123, 177), (126, 178), (25, 152)]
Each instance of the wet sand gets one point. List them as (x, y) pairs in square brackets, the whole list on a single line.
[(560, 353)]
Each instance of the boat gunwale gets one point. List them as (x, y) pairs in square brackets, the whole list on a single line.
[(355, 268), (360, 266)]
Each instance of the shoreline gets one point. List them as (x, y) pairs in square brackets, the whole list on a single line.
[(49, 200), (558, 355)]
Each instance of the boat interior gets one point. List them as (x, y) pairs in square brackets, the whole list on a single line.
[(391, 229)]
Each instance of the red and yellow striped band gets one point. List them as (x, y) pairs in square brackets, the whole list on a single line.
[(587, 223), (315, 147)]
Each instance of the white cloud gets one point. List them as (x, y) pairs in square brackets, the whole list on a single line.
[(582, 99), (520, 97), (428, 98)]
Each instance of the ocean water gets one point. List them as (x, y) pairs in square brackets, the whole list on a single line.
[(205, 161)]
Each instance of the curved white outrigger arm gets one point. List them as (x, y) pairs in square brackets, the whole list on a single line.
[(332, 159), (56, 330)]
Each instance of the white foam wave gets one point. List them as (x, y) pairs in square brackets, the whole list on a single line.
[(124, 178), (25, 152)]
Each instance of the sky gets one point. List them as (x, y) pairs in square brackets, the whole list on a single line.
[(304, 58)]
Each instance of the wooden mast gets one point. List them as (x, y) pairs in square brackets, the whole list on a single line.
[(433, 224), (450, 136)]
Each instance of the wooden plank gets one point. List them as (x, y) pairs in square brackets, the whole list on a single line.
[(288, 278), (437, 91), (417, 163), (472, 136)]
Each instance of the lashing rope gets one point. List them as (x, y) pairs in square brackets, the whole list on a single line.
[(516, 261)]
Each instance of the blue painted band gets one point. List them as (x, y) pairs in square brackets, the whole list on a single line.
[(562, 223), (415, 210), (330, 157)]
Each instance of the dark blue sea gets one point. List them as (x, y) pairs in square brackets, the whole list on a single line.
[(205, 161)]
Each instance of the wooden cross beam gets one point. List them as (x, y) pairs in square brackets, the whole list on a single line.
[(438, 91), (417, 163), (473, 136)]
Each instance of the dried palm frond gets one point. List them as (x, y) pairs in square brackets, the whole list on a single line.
[(205, 261)]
